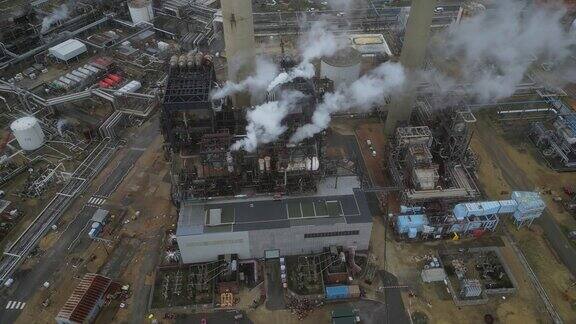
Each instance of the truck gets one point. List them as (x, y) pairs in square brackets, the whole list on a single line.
[(95, 230)]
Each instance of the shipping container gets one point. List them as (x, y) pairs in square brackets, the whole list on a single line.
[(92, 68), (86, 71), (73, 77), (79, 74)]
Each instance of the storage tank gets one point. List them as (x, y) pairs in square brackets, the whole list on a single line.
[(343, 67), (140, 11), (130, 87), (28, 133)]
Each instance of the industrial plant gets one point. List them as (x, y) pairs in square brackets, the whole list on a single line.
[(349, 161)]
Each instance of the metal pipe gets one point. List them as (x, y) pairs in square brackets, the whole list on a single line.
[(6, 103)]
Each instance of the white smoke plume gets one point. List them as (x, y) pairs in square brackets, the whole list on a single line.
[(495, 48), (320, 40), (61, 125), (362, 95), (304, 70), (256, 84), (265, 121), (58, 14)]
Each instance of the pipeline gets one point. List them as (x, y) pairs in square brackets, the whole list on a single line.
[(55, 41)]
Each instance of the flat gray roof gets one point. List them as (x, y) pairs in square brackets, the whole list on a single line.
[(258, 213)]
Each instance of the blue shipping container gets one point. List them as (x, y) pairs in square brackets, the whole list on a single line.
[(337, 292)]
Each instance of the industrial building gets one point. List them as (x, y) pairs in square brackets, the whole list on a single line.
[(294, 225), (254, 197), (285, 198), (426, 177), (86, 300), (474, 218)]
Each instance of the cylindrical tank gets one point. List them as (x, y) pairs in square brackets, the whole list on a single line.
[(267, 163), (343, 67), (140, 11), (174, 61), (28, 133), (182, 61)]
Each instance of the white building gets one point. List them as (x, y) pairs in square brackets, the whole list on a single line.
[(370, 44), (294, 225)]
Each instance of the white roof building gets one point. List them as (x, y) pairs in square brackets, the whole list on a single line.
[(68, 49), (370, 44)]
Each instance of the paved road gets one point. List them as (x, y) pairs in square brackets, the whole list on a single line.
[(518, 180), (275, 292), (77, 183), (73, 239), (213, 318), (394, 310)]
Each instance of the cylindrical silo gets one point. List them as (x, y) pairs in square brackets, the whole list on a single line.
[(28, 133), (140, 11), (343, 67)]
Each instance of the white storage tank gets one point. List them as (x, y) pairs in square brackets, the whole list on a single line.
[(28, 133), (140, 11), (343, 67), (130, 87)]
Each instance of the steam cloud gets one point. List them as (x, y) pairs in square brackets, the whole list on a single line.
[(493, 51), (497, 47), (362, 95), (58, 14), (319, 41), (257, 84), (265, 121)]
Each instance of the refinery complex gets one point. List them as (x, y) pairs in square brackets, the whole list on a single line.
[(271, 161)]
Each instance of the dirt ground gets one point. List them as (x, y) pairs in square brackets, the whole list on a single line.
[(553, 275), (143, 189), (405, 260)]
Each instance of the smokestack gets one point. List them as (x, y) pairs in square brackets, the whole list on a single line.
[(239, 42), (412, 58)]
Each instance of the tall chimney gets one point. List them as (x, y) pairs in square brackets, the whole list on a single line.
[(239, 42), (412, 58)]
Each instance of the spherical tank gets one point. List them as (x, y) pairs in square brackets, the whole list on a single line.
[(28, 133), (140, 11), (343, 67)]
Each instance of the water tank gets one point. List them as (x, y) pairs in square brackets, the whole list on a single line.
[(140, 11), (28, 133), (343, 67)]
